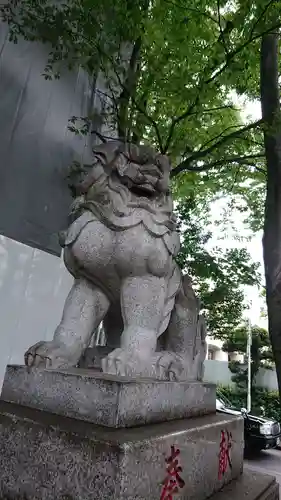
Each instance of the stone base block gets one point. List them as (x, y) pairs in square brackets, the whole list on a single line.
[(46, 457), (104, 399)]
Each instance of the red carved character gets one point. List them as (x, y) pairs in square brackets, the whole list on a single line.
[(173, 480), (224, 456)]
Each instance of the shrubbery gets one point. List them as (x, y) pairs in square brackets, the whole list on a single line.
[(261, 397)]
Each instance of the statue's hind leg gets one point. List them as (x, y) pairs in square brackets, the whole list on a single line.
[(84, 309), (184, 342), (142, 302)]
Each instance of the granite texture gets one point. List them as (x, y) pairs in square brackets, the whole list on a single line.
[(92, 357), (121, 247), (105, 399), (47, 457), (250, 486)]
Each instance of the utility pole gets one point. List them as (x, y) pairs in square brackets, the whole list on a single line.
[(249, 359)]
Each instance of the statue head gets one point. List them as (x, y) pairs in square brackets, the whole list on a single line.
[(141, 168)]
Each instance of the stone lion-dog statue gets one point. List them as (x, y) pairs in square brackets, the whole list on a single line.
[(120, 248)]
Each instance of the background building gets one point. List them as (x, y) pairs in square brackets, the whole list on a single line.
[(216, 353)]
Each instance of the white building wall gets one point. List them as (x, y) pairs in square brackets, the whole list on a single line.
[(220, 355), (33, 288), (217, 372), (215, 346), (235, 356), (267, 378)]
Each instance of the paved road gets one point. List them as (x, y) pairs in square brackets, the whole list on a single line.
[(268, 462)]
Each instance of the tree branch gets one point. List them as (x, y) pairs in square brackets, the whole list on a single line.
[(186, 8), (234, 53), (152, 122), (187, 113), (136, 104), (175, 121), (235, 178), (241, 160), (217, 108), (221, 37), (128, 88), (233, 135), (261, 16), (197, 155), (215, 73), (231, 127)]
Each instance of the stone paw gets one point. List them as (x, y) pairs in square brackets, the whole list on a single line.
[(50, 355), (162, 365), (173, 367), (124, 363)]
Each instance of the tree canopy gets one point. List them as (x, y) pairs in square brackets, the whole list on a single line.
[(218, 275), (173, 70), (186, 59), (261, 352)]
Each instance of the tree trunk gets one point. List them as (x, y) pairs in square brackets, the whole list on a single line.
[(270, 102)]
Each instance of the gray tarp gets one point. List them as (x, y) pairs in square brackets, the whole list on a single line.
[(35, 146)]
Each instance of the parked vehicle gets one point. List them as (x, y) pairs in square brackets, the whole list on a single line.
[(260, 433)]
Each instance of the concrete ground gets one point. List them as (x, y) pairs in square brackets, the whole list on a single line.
[(267, 462)]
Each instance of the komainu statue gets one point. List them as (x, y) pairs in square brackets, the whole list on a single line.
[(120, 248)]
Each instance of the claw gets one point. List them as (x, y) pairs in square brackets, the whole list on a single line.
[(122, 363), (51, 355), (30, 355)]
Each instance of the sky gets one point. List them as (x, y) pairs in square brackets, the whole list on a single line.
[(254, 247), (249, 111)]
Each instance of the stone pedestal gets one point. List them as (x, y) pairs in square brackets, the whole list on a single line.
[(104, 399), (47, 455)]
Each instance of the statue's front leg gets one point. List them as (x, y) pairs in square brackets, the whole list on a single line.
[(142, 302), (84, 309)]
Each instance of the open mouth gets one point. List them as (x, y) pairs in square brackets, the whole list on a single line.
[(148, 192)]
